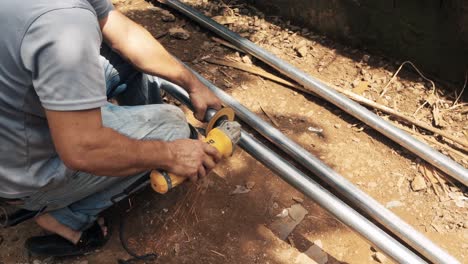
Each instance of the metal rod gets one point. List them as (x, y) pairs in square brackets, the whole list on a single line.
[(422, 150), (314, 191)]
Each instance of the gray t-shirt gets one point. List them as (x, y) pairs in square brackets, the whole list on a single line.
[(49, 59)]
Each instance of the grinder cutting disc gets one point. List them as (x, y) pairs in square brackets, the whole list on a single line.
[(225, 113)]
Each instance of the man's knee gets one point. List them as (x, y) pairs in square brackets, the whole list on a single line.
[(172, 123)]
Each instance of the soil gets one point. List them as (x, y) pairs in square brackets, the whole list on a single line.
[(206, 223)]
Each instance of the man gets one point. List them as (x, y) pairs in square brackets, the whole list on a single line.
[(65, 150)]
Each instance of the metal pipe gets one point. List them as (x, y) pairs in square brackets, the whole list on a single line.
[(422, 150), (314, 191), (360, 199), (357, 197)]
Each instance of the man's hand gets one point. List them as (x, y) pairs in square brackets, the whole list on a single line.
[(136, 44), (192, 158), (202, 99)]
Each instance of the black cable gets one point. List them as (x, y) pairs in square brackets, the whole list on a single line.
[(135, 257)]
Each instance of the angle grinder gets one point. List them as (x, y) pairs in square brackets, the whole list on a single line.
[(222, 132)]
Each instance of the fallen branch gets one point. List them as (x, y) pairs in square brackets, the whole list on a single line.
[(257, 71), (360, 99), (227, 44)]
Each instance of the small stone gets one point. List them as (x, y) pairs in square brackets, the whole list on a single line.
[(366, 58), (355, 83), (418, 183), (298, 199), (283, 213), (36, 261), (465, 224), (179, 33), (167, 16), (379, 257), (337, 126), (247, 59), (249, 184), (81, 262), (302, 51)]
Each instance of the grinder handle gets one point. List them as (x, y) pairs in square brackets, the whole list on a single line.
[(162, 182)]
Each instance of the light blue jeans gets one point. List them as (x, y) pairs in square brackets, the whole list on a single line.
[(79, 201)]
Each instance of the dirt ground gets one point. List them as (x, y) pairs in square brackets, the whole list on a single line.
[(206, 223)]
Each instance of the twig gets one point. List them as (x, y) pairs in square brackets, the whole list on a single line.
[(442, 184), (420, 107), (351, 95), (426, 175), (227, 44), (268, 115), (257, 71), (455, 107), (225, 74), (463, 89), (217, 253), (398, 71)]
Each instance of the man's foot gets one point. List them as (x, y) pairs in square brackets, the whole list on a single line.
[(54, 245)]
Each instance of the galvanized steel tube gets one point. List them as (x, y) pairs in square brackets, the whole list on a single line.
[(422, 150), (314, 191), (360, 199), (357, 197)]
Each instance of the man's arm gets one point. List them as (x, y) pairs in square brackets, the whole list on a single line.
[(140, 48), (68, 79), (84, 144)]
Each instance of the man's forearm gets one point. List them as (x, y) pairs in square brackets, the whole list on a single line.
[(111, 154), (140, 48)]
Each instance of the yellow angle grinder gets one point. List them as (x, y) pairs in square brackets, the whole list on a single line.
[(222, 132)]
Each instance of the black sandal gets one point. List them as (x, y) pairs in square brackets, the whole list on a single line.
[(57, 246)]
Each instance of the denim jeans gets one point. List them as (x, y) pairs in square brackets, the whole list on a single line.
[(140, 115)]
